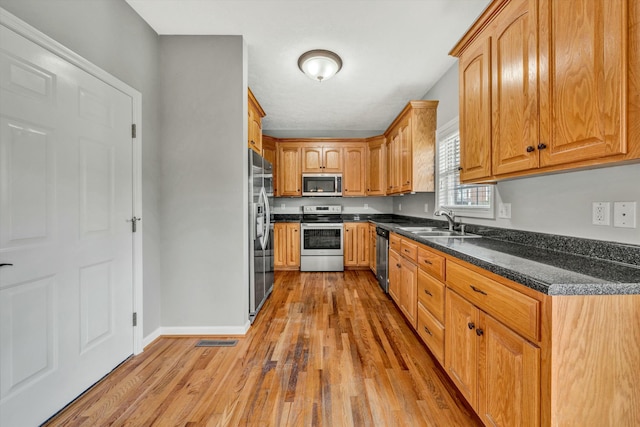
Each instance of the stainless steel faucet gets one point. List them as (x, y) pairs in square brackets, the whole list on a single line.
[(451, 218)]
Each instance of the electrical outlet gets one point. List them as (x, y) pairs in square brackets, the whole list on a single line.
[(399, 206), (600, 213), (504, 210), (624, 214), (366, 205), (426, 207)]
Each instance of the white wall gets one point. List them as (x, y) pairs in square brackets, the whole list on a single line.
[(557, 204), (114, 37), (204, 184)]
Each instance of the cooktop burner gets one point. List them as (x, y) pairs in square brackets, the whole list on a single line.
[(322, 213)]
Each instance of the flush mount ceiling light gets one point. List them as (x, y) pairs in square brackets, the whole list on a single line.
[(319, 64)]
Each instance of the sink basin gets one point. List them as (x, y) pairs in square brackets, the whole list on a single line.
[(417, 229), (445, 234)]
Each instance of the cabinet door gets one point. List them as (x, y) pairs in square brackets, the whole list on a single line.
[(350, 244), (583, 81), (508, 366), (270, 153), (290, 177), (376, 167), (332, 159), (362, 254), (409, 291), (475, 110), (293, 245), (405, 160), (311, 159), (461, 349), (515, 88), (393, 163), (353, 179), (279, 245), (395, 267), (373, 242)]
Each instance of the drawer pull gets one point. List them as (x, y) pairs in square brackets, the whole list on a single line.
[(478, 290), (479, 332), (407, 251), (428, 331), (471, 325), (426, 261), (428, 293)]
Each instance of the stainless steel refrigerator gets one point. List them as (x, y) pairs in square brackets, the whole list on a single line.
[(260, 232)]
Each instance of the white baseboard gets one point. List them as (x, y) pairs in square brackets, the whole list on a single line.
[(195, 330)]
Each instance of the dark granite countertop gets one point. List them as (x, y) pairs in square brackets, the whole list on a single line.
[(545, 270)]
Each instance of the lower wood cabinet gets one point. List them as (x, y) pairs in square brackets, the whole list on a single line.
[(286, 241), (403, 280), (373, 240), (496, 369), (356, 244)]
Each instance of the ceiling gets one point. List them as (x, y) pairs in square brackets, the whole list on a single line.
[(393, 51)]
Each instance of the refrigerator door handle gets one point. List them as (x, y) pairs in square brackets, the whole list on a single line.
[(265, 224)]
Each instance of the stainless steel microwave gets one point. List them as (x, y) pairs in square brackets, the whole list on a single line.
[(322, 184)]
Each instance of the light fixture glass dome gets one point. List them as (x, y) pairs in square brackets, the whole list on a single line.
[(319, 64)]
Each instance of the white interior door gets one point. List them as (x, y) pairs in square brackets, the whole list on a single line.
[(66, 194)]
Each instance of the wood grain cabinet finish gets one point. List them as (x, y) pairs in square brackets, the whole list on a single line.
[(255, 113), (547, 86), (286, 242), (376, 168), (395, 267), (497, 370), (373, 243), (270, 153), (356, 245), (354, 174), (411, 149), (326, 158), (289, 176)]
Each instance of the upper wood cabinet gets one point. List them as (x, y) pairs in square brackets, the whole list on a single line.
[(255, 113), (411, 149), (354, 174), (270, 153), (289, 175), (326, 158), (376, 168), (547, 85)]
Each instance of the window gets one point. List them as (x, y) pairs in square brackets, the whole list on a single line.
[(464, 200)]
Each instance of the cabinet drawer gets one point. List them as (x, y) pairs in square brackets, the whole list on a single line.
[(394, 242), (431, 295), (432, 263), (514, 309), (432, 333), (409, 250)]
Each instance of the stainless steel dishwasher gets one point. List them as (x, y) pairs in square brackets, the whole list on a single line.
[(382, 258)]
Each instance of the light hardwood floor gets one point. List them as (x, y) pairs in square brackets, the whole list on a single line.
[(327, 349)]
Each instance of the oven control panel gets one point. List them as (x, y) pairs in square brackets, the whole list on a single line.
[(323, 209)]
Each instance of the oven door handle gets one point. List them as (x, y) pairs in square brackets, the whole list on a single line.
[(322, 225)]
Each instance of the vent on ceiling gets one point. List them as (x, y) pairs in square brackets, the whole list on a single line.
[(217, 343)]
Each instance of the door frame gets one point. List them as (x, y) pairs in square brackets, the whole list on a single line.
[(22, 28)]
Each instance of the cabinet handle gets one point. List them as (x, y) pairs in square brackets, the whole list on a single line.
[(426, 261), (530, 149), (253, 142), (398, 265), (428, 293), (460, 168), (427, 331), (471, 325), (479, 332), (542, 146), (5, 265), (407, 251), (478, 290)]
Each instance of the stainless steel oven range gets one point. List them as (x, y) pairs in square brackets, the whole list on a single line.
[(321, 239)]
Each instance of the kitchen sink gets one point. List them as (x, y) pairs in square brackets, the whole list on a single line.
[(445, 234), (417, 229)]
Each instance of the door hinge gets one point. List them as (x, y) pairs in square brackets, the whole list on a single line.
[(135, 319), (133, 130)]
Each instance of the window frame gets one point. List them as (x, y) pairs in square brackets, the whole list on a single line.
[(444, 132)]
